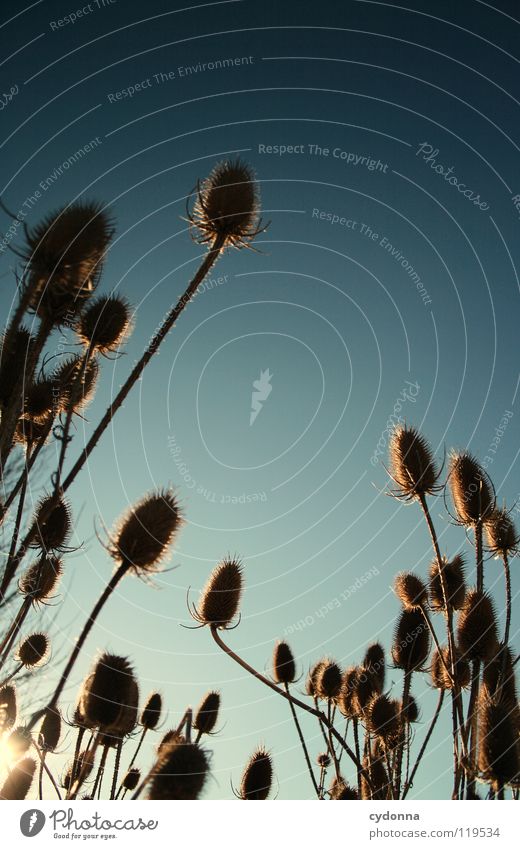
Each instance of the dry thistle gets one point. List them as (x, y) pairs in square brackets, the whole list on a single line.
[(131, 779), (498, 678), (151, 713), (440, 678), (220, 598), (328, 680), (50, 731), (374, 664), (477, 629), (19, 781), (312, 677), (52, 524), (411, 644), (40, 401), (379, 787), (284, 667), (501, 535), (471, 490), (453, 572), (41, 579), (257, 777), (105, 323), (383, 717), (412, 466), (366, 687), (323, 760), (8, 707), (206, 715), (33, 650), (498, 750), (108, 693), (147, 531), (180, 772), (410, 711), (346, 696), (15, 355), (410, 591), (340, 790), (227, 206), (75, 383)]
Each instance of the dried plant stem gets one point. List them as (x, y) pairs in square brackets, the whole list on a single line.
[(100, 773), (471, 727), (134, 757), (79, 380), (355, 724), (330, 744), (407, 683), (79, 740), (43, 766), (479, 555), (507, 574), (303, 745), (117, 762), (24, 475), (433, 723), (12, 631)]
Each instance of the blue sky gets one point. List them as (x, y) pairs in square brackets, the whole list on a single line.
[(345, 321)]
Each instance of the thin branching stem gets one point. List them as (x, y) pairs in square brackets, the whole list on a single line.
[(433, 723), (303, 744)]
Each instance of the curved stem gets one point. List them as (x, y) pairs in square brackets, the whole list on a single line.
[(134, 757), (507, 573), (303, 745), (433, 723)]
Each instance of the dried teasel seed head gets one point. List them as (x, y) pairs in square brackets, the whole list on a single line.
[(454, 580), (410, 712), (168, 739), (8, 707), (412, 466), (367, 686), (75, 383), (340, 790), (498, 678), (40, 402), (52, 524), (220, 598), (471, 490), (374, 664), (411, 644), (257, 777), (180, 772), (50, 730), (346, 702), (15, 355), (410, 590), (499, 759), (40, 580), (147, 532), (206, 715), (477, 636), (29, 432), (127, 719), (328, 680), (323, 760), (227, 205), (105, 323), (64, 255), (20, 741), (440, 669), (33, 650), (131, 779), (383, 717), (312, 677), (379, 786), (151, 713), (108, 692), (19, 781), (284, 667), (501, 535)]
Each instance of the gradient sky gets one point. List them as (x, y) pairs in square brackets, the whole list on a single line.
[(328, 309)]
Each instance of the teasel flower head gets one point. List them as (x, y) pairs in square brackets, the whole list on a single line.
[(410, 711), (366, 687), (374, 664), (75, 383), (206, 716), (340, 790), (151, 713), (109, 693), (40, 401), (64, 256), (52, 525), (440, 670), (454, 580), (471, 489), (171, 736), (383, 717), (411, 591), (501, 536), (146, 532), (131, 779), (105, 323), (41, 579), (323, 760), (180, 772), (19, 781), (29, 433), (412, 466), (257, 777), (328, 680), (346, 701), (284, 667), (15, 355), (220, 599), (498, 677), (477, 636), (227, 206), (411, 644), (8, 707), (379, 787), (499, 759), (20, 741), (33, 650), (312, 678), (50, 730)]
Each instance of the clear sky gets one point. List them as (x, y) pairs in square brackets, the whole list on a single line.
[(386, 282)]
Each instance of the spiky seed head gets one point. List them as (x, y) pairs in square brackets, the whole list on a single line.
[(131, 779), (19, 781), (8, 707), (383, 717), (340, 790), (498, 677), (228, 205), (471, 490), (323, 760), (284, 667), (379, 786), (501, 535), (64, 256), (328, 681), (107, 692), (374, 664), (75, 383), (29, 432), (20, 741), (171, 736), (410, 711), (33, 650), (50, 730), (180, 772), (410, 590), (312, 677), (411, 463), (367, 686), (411, 644), (41, 579), (441, 666), (52, 524), (454, 580), (15, 355), (40, 401), (346, 701), (82, 768), (127, 719), (220, 598), (105, 323), (477, 636), (151, 713), (147, 531), (206, 715), (498, 743), (257, 777)]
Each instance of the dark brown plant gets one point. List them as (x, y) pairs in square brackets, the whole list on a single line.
[(284, 667), (147, 531), (477, 636), (206, 715), (180, 772), (471, 491), (412, 466), (453, 572), (257, 777), (19, 781), (411, 643), (105, 323), (220, 598)]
